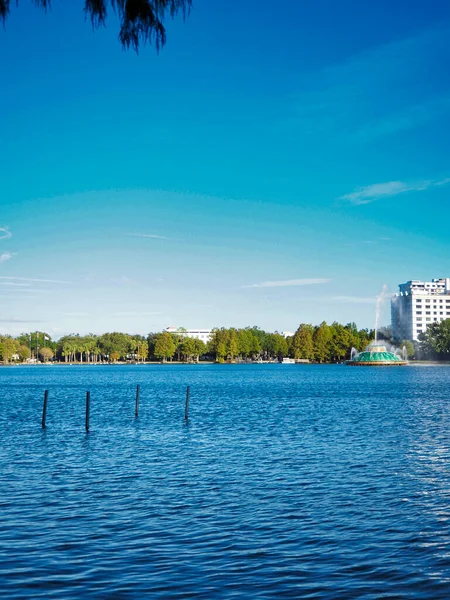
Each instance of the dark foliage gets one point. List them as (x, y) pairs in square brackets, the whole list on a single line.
[(141, 21)]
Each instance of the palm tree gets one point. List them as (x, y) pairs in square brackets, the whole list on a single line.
[(68, 350), (89, 344), (65, 351), (96, 353), (141, 21)]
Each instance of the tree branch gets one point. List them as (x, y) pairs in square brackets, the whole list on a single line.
[(141, 21)]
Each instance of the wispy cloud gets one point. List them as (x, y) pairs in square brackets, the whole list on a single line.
[(14, 320), (12, 284), (35, 280), (122, 280), (135, 313), (407, 118), (287, 283), (377, 191), (150, 235), (5, 233), (76, 314), (378, 240), (339, 299), (378, 92), (9, 297), (5, 256), (353, 299), (18, 289)]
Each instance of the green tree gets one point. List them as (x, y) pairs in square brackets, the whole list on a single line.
[(245, 342), (151, 341), (114, 356), (67, 347), (142, 351), (193, 348), (222, 349), (341, 342), (89, 345), (178, 337), (24, 352), (188, 348), (281, 347), (257, 341), (218, 344), (322, 343), (258, 333), (116, 342), (435, 341), (276, 346), (200, 349), (8, 348), (96, 353), (139, 347), (46, 354), (409, 347), (141, 21), (233, 344), (35, 341), (303, 342), (165, 346)]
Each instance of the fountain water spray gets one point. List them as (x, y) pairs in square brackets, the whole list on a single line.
[(378, 354)]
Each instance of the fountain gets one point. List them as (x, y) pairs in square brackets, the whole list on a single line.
[(376, 354)]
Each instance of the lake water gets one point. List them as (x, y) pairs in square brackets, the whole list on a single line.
[(289, 481)]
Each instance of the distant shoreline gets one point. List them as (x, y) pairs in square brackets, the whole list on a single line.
[(100, 364), (181, 363)]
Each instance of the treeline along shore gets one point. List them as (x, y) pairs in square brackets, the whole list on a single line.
[(320, 343)]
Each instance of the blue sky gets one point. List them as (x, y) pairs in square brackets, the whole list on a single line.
[(267, 167)]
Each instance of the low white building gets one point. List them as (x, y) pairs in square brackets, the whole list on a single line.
[(200, 334), (416, 305)]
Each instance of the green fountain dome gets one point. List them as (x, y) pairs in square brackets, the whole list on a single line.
[(376, 354)]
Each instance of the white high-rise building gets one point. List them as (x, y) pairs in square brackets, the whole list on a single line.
[(200, 334), (416, 305)]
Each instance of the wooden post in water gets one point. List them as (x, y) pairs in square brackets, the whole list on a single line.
[(88, 408), (138, 391), (44, 409), (186, 410)]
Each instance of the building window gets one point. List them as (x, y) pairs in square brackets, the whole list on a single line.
[(418, 312)]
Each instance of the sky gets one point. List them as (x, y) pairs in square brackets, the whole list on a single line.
[(267, 167)]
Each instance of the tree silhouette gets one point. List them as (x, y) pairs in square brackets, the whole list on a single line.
[(141, 21)]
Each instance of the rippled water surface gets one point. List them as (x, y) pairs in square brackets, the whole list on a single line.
[(288, 481)]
